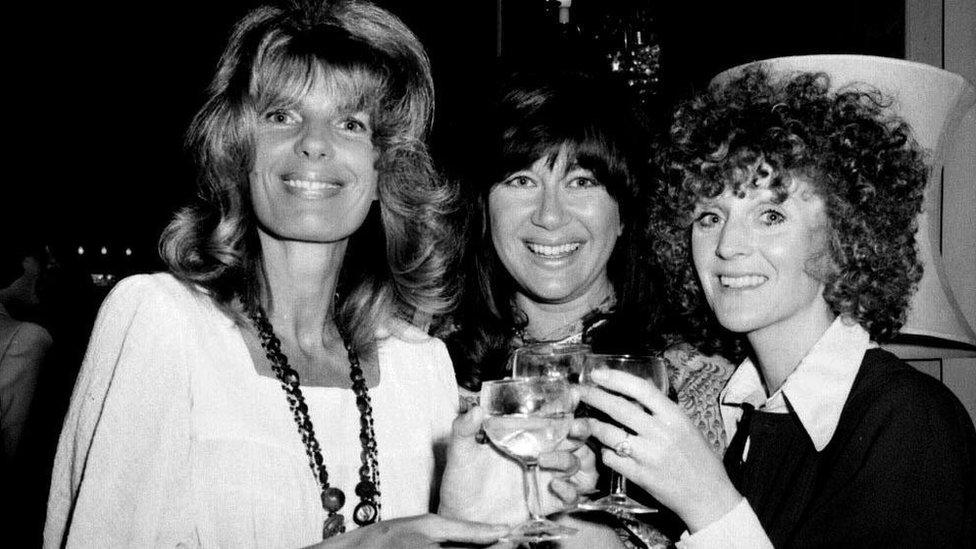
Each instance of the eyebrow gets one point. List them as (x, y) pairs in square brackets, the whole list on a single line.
[(353, 105)]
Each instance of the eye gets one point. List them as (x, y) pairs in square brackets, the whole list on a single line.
[(354, 125), (518, 181), (583, 183), (772, 217), (707, 219), (280, 117)]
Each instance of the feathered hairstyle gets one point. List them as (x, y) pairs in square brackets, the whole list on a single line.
[(273, 55)]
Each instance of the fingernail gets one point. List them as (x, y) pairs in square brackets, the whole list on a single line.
[(599, 374)]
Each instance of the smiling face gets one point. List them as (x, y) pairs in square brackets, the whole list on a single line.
[(757, 260), (554, 227), (313, 177)]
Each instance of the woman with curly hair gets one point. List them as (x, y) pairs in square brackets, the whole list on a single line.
[(289, 334), (789, 216)]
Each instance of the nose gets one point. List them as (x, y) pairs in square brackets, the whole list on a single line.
[(314, 142), (551, 211), (734, 240)]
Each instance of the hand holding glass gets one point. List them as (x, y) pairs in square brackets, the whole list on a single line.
[(653, 369), (526, 417)]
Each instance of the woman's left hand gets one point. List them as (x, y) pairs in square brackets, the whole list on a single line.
[(668, 456), (482, 484)]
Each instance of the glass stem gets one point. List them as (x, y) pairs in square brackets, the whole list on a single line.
[(618, 484), (531, 486)]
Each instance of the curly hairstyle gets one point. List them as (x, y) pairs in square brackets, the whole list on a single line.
[(535, 115), (273, 56), (861, 160)]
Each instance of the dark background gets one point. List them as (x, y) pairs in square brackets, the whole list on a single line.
[(100, 94)]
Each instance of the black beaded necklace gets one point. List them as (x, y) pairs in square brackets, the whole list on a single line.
[(368, 488)]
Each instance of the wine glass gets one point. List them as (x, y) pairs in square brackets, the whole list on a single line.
[(555, 360), (526, 417), (651, 368), (550, 359)]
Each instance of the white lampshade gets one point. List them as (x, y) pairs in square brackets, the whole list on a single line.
[(934, 102)]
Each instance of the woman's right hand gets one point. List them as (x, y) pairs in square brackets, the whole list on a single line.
[(417, 531), (481, 483), (668, 457)]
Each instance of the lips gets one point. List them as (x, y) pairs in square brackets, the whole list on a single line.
[(742, 282), (553, 251), (312, 180), (307, 185), (311, 185)]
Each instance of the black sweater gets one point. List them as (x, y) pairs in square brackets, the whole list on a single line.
[(900, 471)]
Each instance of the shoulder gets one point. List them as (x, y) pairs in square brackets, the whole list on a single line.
[(23, 345), (892, 403), (151, 287), (686, 362), (685, 354), (154, 310), (903, 436), (417, 357), (408, 341), (158, 294), (33, 335), (886, 382)]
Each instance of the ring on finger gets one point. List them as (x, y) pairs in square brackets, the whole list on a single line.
[(624, 449)]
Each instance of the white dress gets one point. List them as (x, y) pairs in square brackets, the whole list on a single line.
[(173, 440)]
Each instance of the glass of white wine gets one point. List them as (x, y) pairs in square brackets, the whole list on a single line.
[(651, 368), (526, 417), (550, 359)]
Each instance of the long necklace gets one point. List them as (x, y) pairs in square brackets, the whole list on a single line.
[(368, 488)]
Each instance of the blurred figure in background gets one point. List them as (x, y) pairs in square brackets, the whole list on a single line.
[(23, 344), (65, 304)]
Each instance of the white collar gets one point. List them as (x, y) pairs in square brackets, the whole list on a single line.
[(815, 391)]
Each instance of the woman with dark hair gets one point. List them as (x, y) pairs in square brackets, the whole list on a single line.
[(555, 253), (789, 216), (299, 289), (547, 251)]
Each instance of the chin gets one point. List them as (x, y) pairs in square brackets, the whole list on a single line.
[(550, 297), (550, 294), (737, 322)]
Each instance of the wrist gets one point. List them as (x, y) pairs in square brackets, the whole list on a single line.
[(712, 508)]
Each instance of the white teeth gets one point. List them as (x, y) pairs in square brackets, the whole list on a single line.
[(553, 250), (309, 185), (737, 282)]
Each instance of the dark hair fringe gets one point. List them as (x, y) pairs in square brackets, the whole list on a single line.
[(534, 115)]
